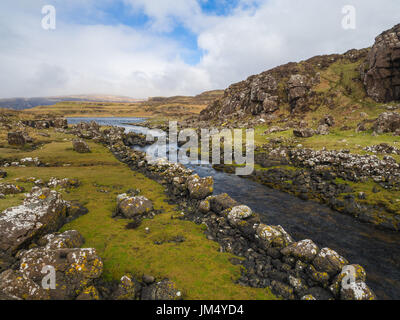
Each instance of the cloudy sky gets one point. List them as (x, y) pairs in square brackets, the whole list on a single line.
[(142, 48)]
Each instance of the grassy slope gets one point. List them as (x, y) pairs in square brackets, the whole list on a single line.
[(195, 265)]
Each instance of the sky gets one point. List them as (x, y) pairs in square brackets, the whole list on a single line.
[(143, 48)]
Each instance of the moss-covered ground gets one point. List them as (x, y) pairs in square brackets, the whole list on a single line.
[(195, 265)]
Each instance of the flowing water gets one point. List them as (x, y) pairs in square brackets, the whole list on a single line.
[(376, 250)]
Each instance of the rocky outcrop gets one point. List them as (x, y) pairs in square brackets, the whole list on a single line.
[(60, 123), (303, 132), (381, 71)]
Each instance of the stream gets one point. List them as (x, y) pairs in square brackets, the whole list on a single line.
[(378, 251)]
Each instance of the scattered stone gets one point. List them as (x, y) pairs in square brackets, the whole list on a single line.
[(3, 174), (164, 290), (17, 138), (128, 289), (8, 188), (303, 133), (80, 146)]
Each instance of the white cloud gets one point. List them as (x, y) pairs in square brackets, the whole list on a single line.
[(117, 59)]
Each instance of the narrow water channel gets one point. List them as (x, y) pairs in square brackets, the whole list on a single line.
[(376, 250)]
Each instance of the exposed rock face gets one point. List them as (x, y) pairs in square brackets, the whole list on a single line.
[(80, 146), (381, 73), (387, 122), (42, 211), (298, 88)]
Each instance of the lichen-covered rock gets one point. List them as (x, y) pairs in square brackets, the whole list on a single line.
[(273, 236), (80, 146), (15, 284), (17, 138), (67, 239), (303, 132), (41, 212), (321, 277), (75, 269), (283, 290), (129, 207), (128, 289), (308, 297), (8, 188), (89, 294), (305, 250), (239, 213), (329, 261), (65, 183), (221, 202), (323, 129), (357, 291), (200, 188), (349, 273), (205, 206), (164, 290)]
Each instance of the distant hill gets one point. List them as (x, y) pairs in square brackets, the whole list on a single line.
[(28, 103)]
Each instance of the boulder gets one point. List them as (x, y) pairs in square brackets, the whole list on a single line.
[(304, 250), (349, 273), (3, 173), (89, 294), (387, 122), (128, 289), (67, 239), (381, 71), (273, 236), (129, 207), (80, 146), (17, 138), (204, 206), (323, 130), (239, 213), (357, 291), (303, 132), (76, 269), (221, 202), (164, 290), (14, 284), (8, 188), (42, 211), (200, 188), (329, 261)]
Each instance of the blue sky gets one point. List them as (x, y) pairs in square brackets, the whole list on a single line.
[(143, 48)]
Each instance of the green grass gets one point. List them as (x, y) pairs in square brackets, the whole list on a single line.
[(196, 265)]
